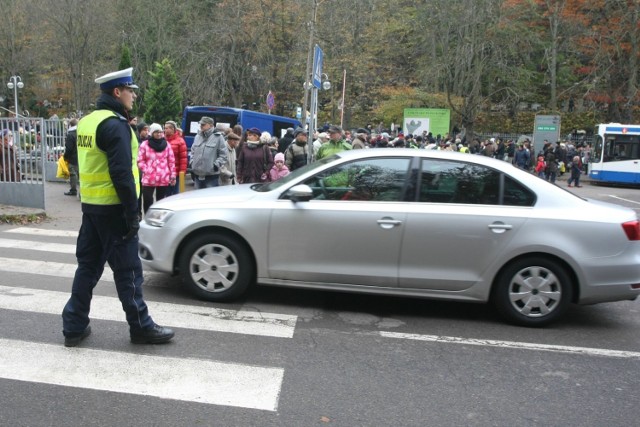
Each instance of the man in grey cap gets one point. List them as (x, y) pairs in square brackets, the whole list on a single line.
[(208, 154), (336, 143), (296, 155)]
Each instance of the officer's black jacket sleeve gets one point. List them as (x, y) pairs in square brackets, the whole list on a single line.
[(114, 138)]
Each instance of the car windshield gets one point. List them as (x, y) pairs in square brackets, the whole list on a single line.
[(293, 175)]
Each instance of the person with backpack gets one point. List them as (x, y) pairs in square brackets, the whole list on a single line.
[(296, 155)]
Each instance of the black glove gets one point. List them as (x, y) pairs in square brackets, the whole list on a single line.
[(133, 225), (216, 168), (232, 176)]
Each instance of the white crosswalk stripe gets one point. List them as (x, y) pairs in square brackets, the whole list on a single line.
[(189, 379), (46, 268), (176, 315), (40, 246), (43, 232), (171, 378)]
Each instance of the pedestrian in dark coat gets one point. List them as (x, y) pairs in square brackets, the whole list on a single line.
[(9, 165), (71, 156), (254, 160), (286, 140)]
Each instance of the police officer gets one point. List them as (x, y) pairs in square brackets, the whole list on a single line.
[(109, 190)]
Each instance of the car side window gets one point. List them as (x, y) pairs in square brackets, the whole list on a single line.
[(381, 179), (515, 194), (446, 181)]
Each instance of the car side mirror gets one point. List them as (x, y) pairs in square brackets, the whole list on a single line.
[(300, 193)]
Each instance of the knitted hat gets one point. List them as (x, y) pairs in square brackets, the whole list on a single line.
[(155, 127)]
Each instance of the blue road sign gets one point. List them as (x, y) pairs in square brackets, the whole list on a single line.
[(271, 100), (317, 66)]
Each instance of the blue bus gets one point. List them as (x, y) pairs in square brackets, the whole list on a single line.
[(275, 125), (616, 154)]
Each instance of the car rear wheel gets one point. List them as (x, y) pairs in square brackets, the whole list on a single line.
[(532, 292), (216, 267)]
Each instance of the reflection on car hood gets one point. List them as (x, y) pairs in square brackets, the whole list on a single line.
[(208, 196)]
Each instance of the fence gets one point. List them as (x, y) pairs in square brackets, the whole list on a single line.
[(30, 151)]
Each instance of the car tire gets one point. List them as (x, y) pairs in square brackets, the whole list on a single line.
[(532, 291), (216, 267)]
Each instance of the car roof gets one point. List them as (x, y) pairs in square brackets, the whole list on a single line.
[(429, 154)]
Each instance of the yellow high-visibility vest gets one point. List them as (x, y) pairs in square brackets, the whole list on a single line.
[(96, 187)]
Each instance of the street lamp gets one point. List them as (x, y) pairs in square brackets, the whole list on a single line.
[(308, 85), (15, 83)]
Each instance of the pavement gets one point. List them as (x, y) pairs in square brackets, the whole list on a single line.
[(58, 208)]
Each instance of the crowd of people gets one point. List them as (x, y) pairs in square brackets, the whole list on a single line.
[(223, 155)]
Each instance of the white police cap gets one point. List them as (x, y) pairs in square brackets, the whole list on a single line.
[(117, 78)]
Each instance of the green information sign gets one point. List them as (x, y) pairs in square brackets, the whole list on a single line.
[(434, 120), (545, 128)]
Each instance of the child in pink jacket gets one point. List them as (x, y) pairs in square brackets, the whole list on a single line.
[(279, 169), (156, 162)]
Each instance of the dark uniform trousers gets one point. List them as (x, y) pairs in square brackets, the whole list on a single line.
[(100, 241)]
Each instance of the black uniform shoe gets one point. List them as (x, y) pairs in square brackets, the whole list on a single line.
[(156, 335), (74, 340), (71, 193)]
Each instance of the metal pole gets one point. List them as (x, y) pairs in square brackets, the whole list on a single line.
[(344, 86), (309, 71), (15, 95), (312, 122)]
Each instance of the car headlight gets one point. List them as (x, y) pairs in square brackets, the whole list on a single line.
[(157, 217)]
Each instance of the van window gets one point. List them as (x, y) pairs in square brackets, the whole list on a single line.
[(193, 119)]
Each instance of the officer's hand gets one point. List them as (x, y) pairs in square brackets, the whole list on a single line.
[(232, 176), (133, 225), (216, 168)]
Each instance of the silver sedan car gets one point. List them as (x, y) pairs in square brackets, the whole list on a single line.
[(413, 223)]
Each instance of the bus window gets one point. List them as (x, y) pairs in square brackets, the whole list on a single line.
[(609, 152), (621, 147)]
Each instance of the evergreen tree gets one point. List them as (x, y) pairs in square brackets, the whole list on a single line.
[(125, 58), (125, 62), (163, 97)]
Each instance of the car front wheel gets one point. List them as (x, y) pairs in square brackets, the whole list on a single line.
[(216, 267), (532, 292)]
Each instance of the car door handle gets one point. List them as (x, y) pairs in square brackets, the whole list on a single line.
[(500, 226), (388, 222)]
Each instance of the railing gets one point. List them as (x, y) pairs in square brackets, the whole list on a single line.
[(30, 150)]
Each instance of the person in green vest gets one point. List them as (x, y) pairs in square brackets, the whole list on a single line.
[(109, 190), (336, 143)]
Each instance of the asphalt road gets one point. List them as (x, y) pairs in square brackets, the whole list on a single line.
[(302, 358)]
